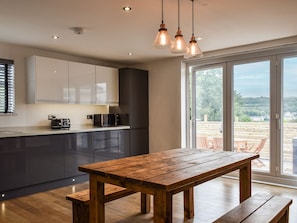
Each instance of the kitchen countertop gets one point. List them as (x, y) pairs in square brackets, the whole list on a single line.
[(46, 130)]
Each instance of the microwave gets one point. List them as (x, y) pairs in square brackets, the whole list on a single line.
[(105, 120)]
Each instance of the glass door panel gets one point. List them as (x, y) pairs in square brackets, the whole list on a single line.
[(289, 116), (208, 107), (251, 111)]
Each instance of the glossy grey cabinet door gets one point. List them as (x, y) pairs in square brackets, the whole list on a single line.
[(12, 163), (90, 147), (77, 152), (134, 108), (45, 158), (138, 141), (133, 98), (105, 145), (124, 150), (138, 102)]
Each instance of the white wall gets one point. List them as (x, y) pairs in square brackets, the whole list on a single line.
[(36, 114), (164, 104)]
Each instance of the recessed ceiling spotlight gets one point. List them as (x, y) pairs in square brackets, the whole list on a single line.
[(127, 8), (199, 38), (130, 54), (55, 37)]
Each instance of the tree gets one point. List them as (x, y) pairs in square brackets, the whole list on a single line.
[(209, 99), (209, 96)]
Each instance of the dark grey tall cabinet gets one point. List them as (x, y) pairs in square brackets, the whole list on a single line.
[(133, 108)]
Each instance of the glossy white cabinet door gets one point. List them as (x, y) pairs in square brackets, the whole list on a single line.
[(47, 80), (81, 83), (107, 85)]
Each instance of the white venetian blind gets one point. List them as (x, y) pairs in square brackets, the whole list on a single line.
[(7, 92)]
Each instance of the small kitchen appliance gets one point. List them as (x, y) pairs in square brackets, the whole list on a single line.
[(60, 123), (106, 120)]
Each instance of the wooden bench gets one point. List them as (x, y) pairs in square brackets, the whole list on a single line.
[(80, 201), (259, 208)]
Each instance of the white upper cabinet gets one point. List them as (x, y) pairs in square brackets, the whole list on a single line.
[(107, 85), (59, 81), (47, 80), (81, 83)]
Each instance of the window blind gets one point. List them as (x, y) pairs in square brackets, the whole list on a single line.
[(7, 86)]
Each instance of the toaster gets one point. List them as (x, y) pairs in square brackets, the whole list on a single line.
[(60, 123)]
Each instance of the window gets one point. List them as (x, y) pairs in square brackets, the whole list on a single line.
[(7, 93)]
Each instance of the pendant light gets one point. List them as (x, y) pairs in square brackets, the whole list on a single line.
[(194, 49), (179, 44), (163, 39)]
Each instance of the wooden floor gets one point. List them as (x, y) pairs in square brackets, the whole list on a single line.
[(212, 199)]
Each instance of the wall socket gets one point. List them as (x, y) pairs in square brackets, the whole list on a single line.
[(89, 116), (51, 117)]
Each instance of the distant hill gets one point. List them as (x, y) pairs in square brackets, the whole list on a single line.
[(260, 107)]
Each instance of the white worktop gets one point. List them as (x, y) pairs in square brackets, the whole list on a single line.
[(46, 130)]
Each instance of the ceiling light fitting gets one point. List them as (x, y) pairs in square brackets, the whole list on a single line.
[(162, 39), (178, 46), (55, 37), (127, 8), (194, 49)]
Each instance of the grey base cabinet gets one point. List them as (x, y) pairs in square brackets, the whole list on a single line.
[(12, 164), (125, 144), (90, 147), (45, 158), (105, 145), (78, 151), (34, 160)]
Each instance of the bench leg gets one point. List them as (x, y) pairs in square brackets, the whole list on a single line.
[(80, 213), (189, 203), (145, 203)]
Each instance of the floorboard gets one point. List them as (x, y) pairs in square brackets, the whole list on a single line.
[(212, 199)]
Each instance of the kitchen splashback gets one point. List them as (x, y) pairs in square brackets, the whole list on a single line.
[(37, 114)]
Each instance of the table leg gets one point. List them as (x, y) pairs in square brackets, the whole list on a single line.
[(145, 203), (162, 207), (245, 175), (189, 203), (97, 209)]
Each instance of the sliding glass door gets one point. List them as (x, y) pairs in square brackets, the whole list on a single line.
[(289, 115), (251, 110), (207, 104), (247, 105)]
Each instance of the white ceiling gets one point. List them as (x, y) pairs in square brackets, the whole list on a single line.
[(110, 33)]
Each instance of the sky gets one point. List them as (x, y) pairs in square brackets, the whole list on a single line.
[(252, 79)]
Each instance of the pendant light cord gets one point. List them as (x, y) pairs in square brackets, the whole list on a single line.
[(178, 15), (193, 17), (162, 12)]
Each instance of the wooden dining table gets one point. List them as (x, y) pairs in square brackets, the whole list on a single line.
[(163, 174)]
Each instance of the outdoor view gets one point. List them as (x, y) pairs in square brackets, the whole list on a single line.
[(251, 111)]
